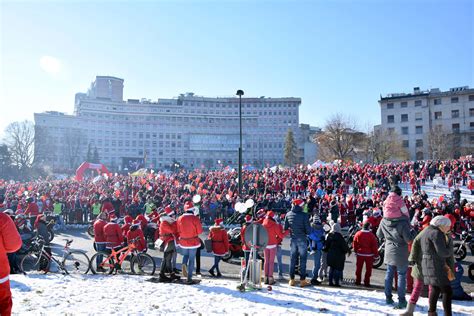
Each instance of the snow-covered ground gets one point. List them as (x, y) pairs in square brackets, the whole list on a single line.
[(56, 294), (439, 191)]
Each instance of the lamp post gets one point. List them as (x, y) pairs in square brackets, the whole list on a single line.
[(240, 93)]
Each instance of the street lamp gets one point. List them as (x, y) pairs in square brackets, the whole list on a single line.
[(240, 93)]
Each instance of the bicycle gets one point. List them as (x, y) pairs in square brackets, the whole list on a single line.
[(140, 263), (38, 259)]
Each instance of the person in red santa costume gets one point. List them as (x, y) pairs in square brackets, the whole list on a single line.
[(10, 241)]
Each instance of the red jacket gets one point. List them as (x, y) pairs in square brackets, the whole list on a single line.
[(168, 229), (189, 228), (274, 230), (32, 209), (132, 234), (99, 231), (365, 244), (10, 241), (220, 240), (113, 235), (143, 221), (242, 234), (125, 229)]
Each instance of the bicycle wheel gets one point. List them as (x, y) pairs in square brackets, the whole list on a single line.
[(143, 264), (34, 263), (105, 266), (76, 262)]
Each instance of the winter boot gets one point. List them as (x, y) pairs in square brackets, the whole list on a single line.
[(271, 281), (265, 280), (292, 282), (219, 275), (173, 276), (304, 283), (315, 282), (164, 278), (184, 268), (401, 305), (410, 310), (389, 301), (432, 313), (211, 272)]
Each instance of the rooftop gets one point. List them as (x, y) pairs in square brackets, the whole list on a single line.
[(434, 92)]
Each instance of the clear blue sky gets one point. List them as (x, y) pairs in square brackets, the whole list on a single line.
[(338, 56)]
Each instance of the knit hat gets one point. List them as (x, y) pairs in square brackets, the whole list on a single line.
[(440, 220), (248, 218), (219, 222), (336, 228), (270, 214)]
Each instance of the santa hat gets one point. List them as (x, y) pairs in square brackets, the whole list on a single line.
[(298, 202), (248, 218), (270, 214), (169, 211), (219, 222), (188, 206), (128, 219), (135, 222), (113, 218)]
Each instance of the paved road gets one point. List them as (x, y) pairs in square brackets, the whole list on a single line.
[(83, 241)]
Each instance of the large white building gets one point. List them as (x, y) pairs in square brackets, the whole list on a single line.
[(191, 130), (415, 115)]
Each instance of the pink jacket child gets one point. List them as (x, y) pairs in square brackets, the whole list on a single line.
[(394, 206)]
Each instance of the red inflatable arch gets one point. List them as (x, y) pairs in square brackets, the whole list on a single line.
[(100, 168)]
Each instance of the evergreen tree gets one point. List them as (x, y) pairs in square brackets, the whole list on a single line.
[(95, 158), (290, 148), (89, 153)]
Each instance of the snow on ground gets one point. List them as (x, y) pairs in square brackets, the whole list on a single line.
[(55, 294), (439, 191)]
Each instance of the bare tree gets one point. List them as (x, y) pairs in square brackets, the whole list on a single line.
[(20, 139), (385, 145), (72, 143), (339, 139), (442, 144)]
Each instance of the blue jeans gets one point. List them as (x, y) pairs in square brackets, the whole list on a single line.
[(298, 248), (100, 247), (317, 263), (279, 257), (402, 281), (335, 276), (189, 256), (217, 259)]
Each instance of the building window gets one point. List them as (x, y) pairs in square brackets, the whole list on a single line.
[(390, 119), (404, 117), (454, 100), (471, 112), (404, 104), (454, 113), (471, 126), (419, 143), (437, 101), (389, 106), (471, 97), (418, 116), (405, 143), (405, 130), (417, 102), (438, 115), (456, 128), (419, 129)]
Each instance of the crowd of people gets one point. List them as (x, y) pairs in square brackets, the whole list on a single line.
[(306, 204)]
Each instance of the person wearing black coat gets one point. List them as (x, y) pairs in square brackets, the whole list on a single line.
[(336, 248), (438, 262)]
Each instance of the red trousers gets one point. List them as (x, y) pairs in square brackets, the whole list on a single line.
[(5, 299), (369, 262)]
